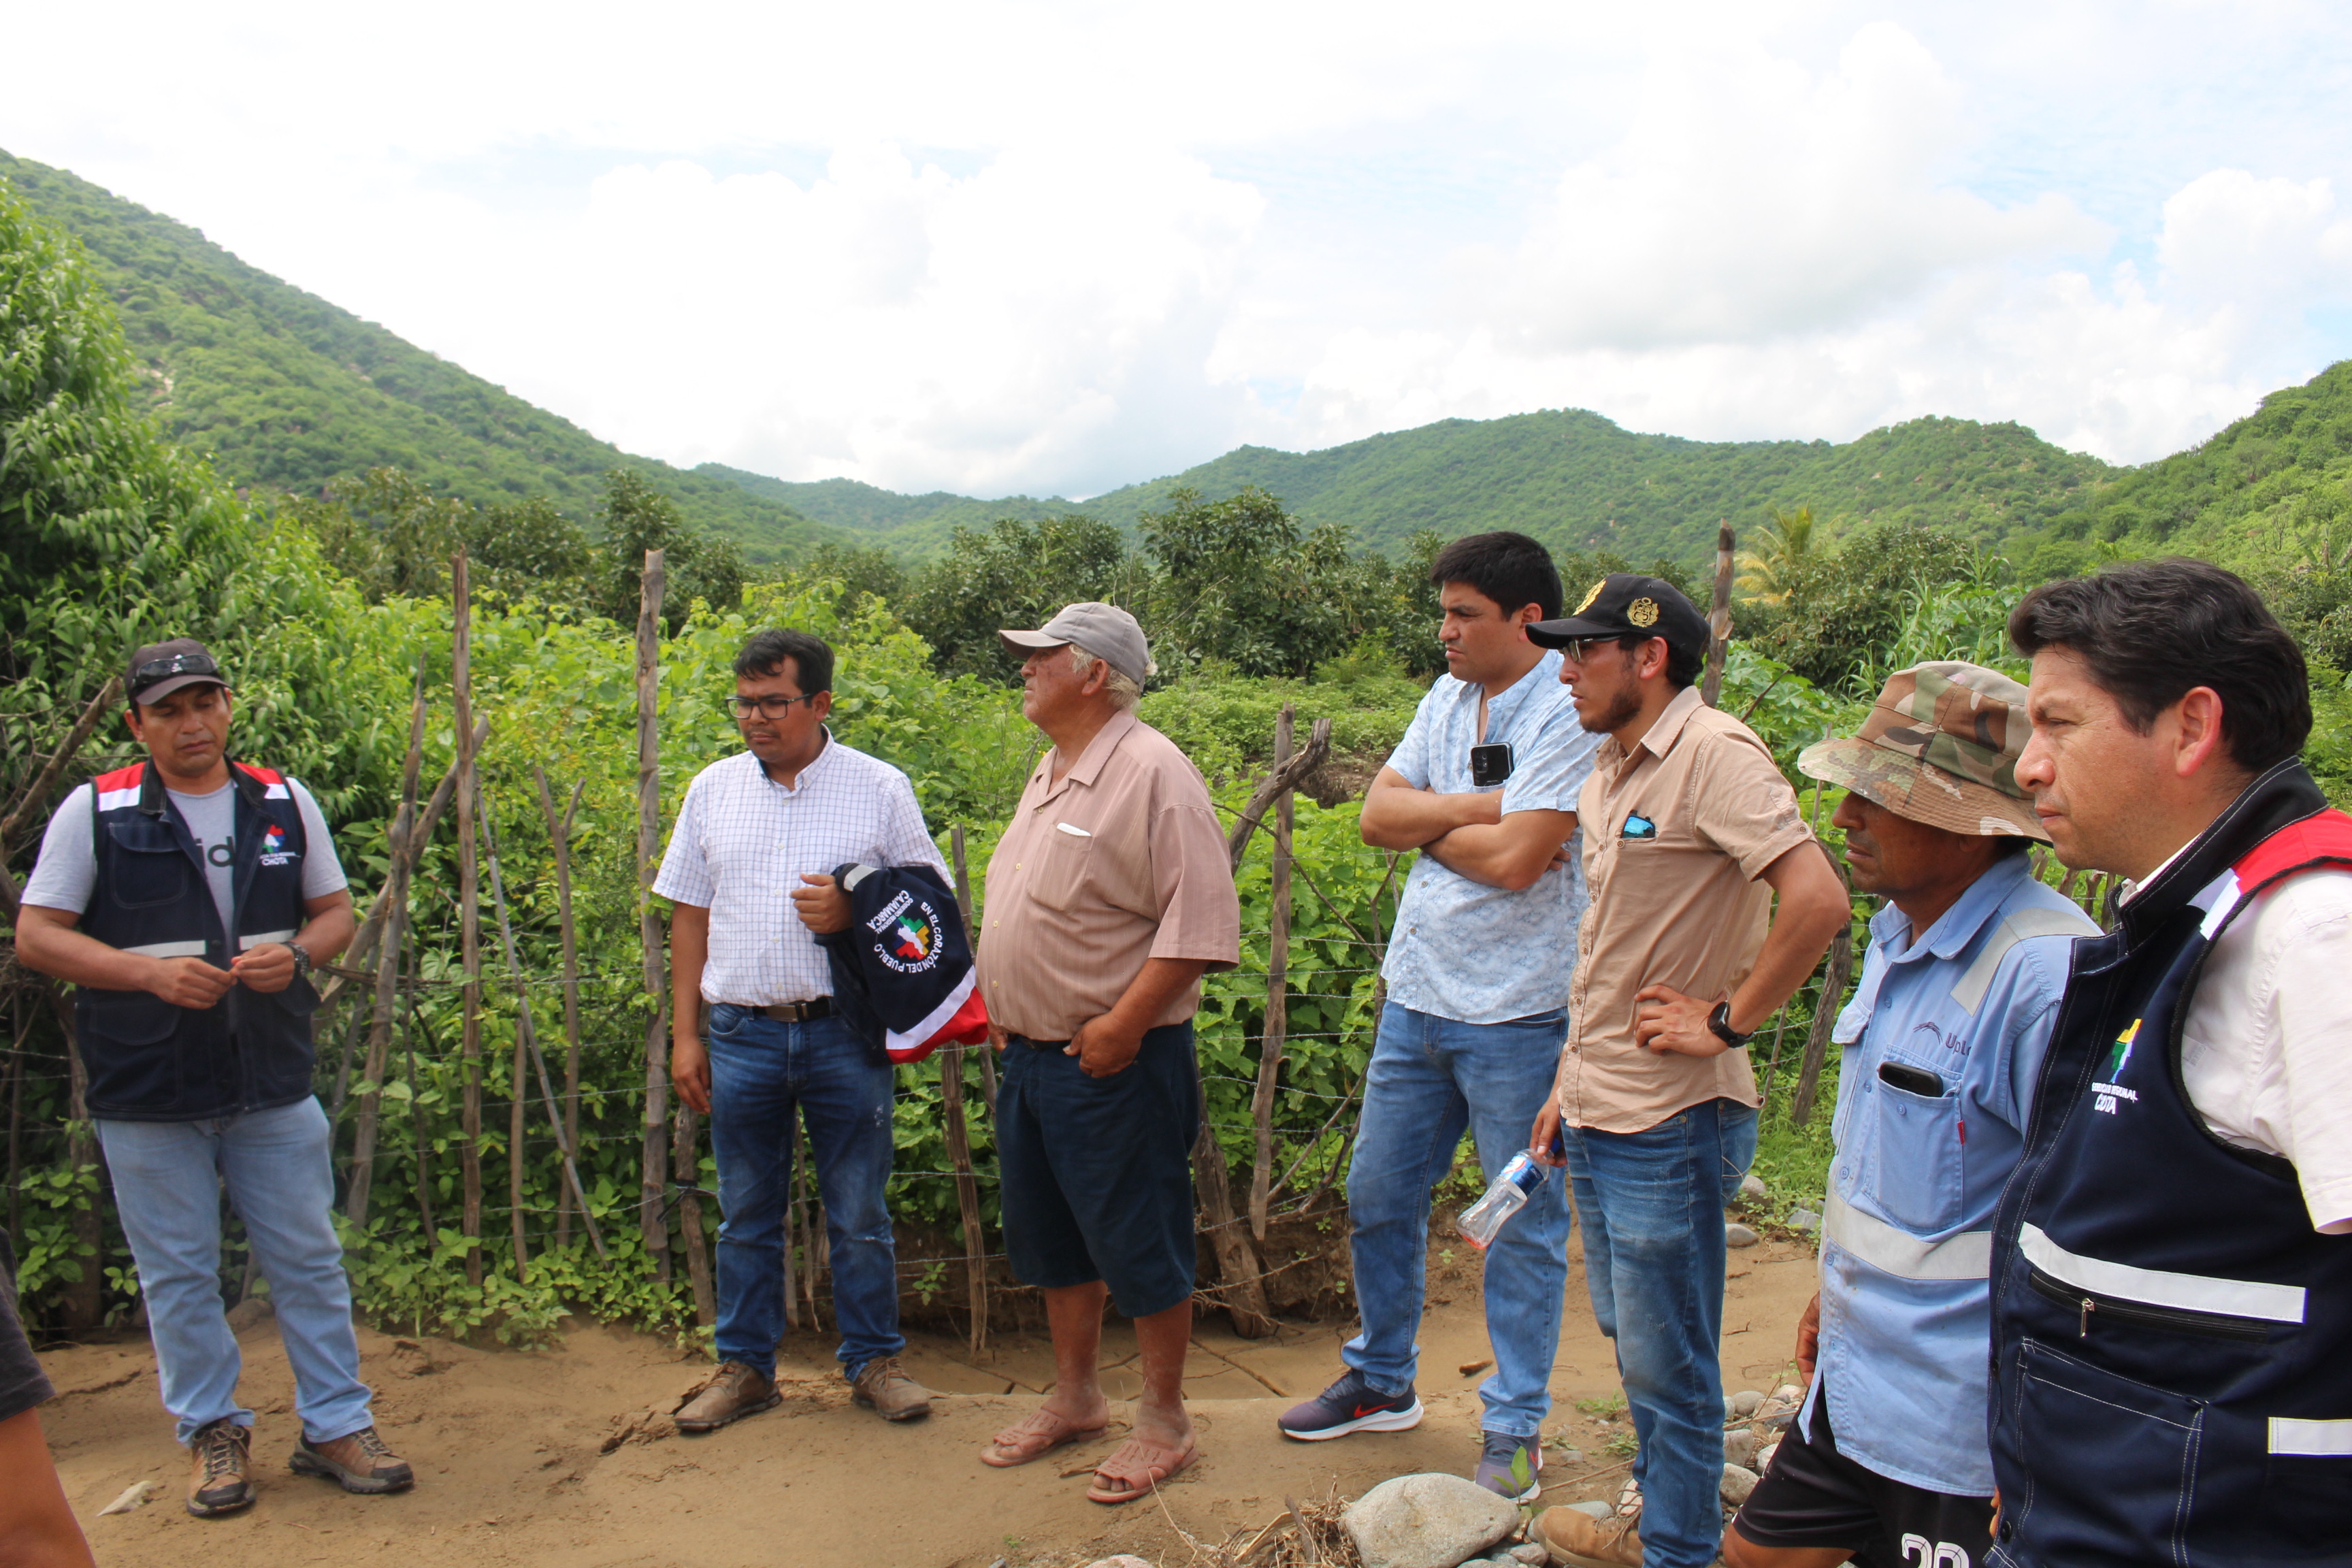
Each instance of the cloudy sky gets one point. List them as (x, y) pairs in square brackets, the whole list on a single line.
[(1053, 249)]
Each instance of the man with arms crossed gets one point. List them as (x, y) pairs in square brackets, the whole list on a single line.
[(1107, 897), (1689, 830), (750, 872), (1484, 785), (188, 898), (1886, 1463), (2172, 1262)]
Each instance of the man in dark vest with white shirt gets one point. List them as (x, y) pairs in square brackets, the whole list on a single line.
[(188, 898), (2172, 1261)]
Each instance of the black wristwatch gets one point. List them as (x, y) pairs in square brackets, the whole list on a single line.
[(1720, 1022), (301, 959)]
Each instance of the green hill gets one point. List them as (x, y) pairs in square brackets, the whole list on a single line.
[(2275, 489), (285, 391), (1572, 479)]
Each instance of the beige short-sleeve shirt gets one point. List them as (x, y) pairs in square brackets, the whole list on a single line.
[(1678, 905), (1119, 862)]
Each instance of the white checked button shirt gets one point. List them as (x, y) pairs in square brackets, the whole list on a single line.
[(742, 841)]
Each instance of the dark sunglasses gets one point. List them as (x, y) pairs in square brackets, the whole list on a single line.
[(156, 669), (767, 707)]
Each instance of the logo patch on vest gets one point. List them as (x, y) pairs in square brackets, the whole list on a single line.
[(273, 847), (2111, 1091)]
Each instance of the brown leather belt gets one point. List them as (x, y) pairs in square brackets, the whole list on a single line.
[(797, 1012)]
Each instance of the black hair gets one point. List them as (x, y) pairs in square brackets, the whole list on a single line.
[(1511, 569), (764, 652), (2012, 845), (1683, 664), (2149, 631)]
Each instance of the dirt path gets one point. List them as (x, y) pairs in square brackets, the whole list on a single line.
[(510, 1447)]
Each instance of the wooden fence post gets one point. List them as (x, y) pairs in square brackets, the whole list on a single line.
[(959, 1136), (1718, 616), (416, 1105), (1825, 1012), (558, 830), (686, 1164), (387, 966), (469, 913), (971, 931), (651, 1226), (1278, 987)]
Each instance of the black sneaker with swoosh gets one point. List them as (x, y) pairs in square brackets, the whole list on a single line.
[(1351, 1405)]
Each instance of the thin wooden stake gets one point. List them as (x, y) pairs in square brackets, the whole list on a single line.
[(972, 931), (959, 1136), (1817, 1039), (558, 830), (686, 1164), (37, 794), (404, 845), (469, 911), (1718, 617), (527, 1039), (1277, 987), (651, 1226), (415, 1091), (16, 1116)]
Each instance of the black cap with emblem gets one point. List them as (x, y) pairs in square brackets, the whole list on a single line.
[(1628, 605)]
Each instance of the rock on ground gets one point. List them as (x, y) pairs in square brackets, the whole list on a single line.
[(1745, 1401), (1739, 1445), (1752, 1186), (1737, 1234), (1122, 1561), (1427, 1522), (1737, 1483)]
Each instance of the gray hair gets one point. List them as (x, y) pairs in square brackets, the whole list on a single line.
[(1123, 692)]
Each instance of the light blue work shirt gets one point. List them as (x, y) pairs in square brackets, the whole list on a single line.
[(1461, 949), (1905, 1305)]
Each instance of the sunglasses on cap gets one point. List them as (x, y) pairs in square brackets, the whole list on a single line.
[(156, 669)]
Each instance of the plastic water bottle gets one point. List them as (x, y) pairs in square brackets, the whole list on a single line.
[(1482, 1221)]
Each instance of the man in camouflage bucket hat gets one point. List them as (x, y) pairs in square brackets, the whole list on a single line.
[(1943, 1040)]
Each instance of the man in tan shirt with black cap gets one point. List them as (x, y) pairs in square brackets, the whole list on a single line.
[(1107, 897), (1689, 831)]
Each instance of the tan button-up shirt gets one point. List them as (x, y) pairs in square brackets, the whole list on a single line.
[(1679, 906), (1119, 862)]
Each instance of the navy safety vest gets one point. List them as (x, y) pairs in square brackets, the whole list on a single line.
[(147, 1059), (2172, 1340)]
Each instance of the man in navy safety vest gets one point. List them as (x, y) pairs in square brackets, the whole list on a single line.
[(2172, 1261), (188, 898), (1887, 1462)]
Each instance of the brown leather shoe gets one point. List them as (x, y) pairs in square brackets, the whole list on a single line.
[(729, 1394), (359, 1463), (1574, 1536), (219, 1459), (883, 1384)]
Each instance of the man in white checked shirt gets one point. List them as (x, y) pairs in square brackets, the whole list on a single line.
[(750, 870)]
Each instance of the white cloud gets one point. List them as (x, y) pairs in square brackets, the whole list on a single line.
[(1042, 246)]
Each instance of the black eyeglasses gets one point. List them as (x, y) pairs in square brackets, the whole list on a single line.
[(767, 707), (156, 669)]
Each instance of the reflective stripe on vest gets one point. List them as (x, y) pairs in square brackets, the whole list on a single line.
[(1969, 990), (1892, 1251), (2159, 1288), (257, 938), (170, 949), (2318, 1439)]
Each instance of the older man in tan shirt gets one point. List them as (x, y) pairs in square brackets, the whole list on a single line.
[(1107, 897), (1689, 831)]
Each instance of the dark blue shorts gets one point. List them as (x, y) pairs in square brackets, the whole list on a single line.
[(1098, 1171)]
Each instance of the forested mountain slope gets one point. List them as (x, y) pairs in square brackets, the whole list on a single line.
[(1572, 479), (288, 391), (2275, 488)]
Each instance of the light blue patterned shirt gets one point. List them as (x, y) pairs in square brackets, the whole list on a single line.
[(1906, 1307), (1463, 949)]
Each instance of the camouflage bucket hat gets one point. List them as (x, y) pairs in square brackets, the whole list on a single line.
[(1941, 746)]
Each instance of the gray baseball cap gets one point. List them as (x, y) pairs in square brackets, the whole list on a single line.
[(1105, 631)]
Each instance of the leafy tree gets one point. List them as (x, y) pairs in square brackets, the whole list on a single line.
[(638, 518), (1241, 581), (1840, 612), (1014, 573), (1782, 546)]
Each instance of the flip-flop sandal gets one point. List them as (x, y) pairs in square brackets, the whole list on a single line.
[(1140, 1465), (1032, 1437)]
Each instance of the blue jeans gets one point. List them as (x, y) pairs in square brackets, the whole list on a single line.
[(1652, 1203), (167, 1178), (1430, 1078), (763, 1072)]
